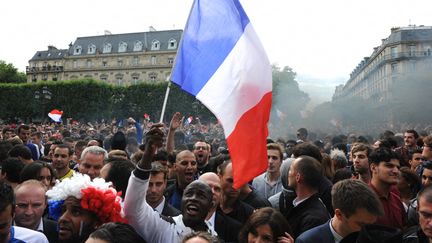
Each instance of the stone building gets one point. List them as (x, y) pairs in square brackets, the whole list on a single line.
[(115, 58), (406, 52)]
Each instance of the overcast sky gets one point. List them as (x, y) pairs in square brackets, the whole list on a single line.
[(322, 41)]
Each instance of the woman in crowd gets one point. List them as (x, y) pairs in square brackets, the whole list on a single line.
[(40, 171), (115, 233), (266, 225)]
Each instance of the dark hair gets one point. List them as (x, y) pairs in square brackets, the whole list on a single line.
[(119, 174), (6, 197), (32, 171), (307, 149), (118, 141), (5, 146), (341, 174), (265, 216), (161, 155), (12, 167), (412, 183), (7, 129), (413, 132), (157, 168), (222, 167), (310, 169), (382, 155), (23, 127), (425, 192), (20, 150), (415, 151), (63, 146), (350, 195), (117, 233)]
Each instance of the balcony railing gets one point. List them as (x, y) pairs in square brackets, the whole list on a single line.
[(45, 69)]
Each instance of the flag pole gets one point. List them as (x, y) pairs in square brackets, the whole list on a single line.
[(165, 101)]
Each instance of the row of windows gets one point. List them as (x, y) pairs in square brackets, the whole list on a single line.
[(122, 47), (120, 63)]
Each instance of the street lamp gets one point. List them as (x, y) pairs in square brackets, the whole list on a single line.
[(43, 97)]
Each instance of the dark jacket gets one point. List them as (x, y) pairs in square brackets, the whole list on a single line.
[(50, 230), (321, 234), (255, 200), (169, 210), (241, 211), (307, 215), (226, 227), (414, 235)]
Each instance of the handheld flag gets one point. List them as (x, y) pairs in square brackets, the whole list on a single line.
[(223, 64), (56, 115), (147, 117), (189, 120)]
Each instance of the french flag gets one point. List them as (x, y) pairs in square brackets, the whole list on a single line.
[(56, 115), (189, 120), (223, 64)]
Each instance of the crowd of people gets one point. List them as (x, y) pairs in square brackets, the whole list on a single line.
[(150, 182)]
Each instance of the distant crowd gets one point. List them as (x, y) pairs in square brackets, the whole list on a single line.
[(138, 181)]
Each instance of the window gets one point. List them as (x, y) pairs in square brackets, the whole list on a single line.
[(170, 60), (120, 63), (135, 79), (153, 77), (155, 45), (91, 49), (55, 77), (122, 46), (394, 68), (77, 50), (89, 63), (138, 46), (172, 44), (107, 48), (45, 77), (34, 78), (135, 60), (119, 78), (75, 64), (411, 50), (103, 77), (394, 52), (104, 64), (153, 60)]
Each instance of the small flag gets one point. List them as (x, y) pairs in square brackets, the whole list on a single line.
[(147, 117), (189, 120), (223, 64), (56, 115)]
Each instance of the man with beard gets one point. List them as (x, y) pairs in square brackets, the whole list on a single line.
[(384, 164), (8, 232), (360, 153), (60, 161), (410, 144), (230, 203), (195, 204), (202, 154), (81, 205), (185, 167)]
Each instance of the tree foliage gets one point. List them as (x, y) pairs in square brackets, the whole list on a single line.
[(90, 100), (288, 99), (10, 74)]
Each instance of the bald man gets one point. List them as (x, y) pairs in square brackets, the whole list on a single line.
[(185, 167)]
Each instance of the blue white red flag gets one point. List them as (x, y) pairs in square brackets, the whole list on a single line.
[(223, 64), (55, 115), (189, 120)]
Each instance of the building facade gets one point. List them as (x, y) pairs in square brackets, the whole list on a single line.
[(121, 59), (406, 52)]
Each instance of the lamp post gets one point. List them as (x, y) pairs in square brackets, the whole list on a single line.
[(43, 97)]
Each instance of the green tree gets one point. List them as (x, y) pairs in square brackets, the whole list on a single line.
[(287, 96), (10, 74)]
